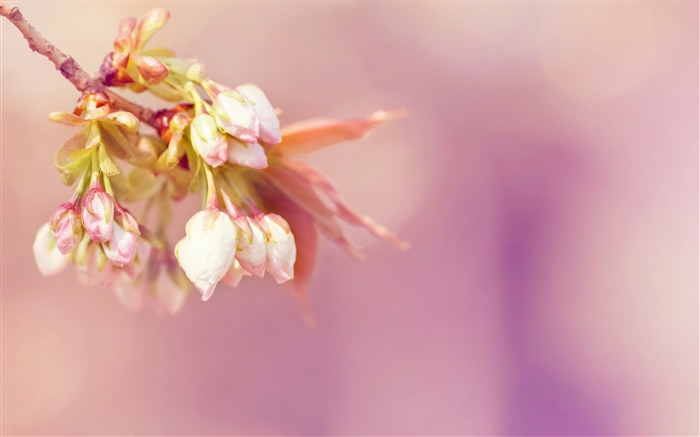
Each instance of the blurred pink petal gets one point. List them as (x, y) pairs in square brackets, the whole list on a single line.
[(310, 135)]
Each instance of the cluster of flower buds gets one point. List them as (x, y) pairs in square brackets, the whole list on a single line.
[(262, 208)]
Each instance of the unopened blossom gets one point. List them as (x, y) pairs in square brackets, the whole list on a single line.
[(66, 227), (235, 116), (252, 251), (48, 257), (281, 247), (98, 214), (269, 123), (208, 249), (209, 142), (121, 247)]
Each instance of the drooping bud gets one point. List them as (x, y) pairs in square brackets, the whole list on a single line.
[(209, 142), (252, 253), (151, 69), (121, 247), (98, 213), (49, 259), (280, 245), (208, 249), (269, 123), (234, 115), (66, 227)]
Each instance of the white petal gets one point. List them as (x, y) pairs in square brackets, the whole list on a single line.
[(207, 251), (269, 123), (49, 259), (236, 117), (208, 140), (121, 248), (281, 251), (247, 155)]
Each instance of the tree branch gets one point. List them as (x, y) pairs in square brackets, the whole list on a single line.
[(68, 67)]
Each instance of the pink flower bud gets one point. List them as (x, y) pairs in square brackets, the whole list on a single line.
[(207, 251), (49, 259), (234, 115), (121, 247), (208, 140), (280, 245), (269, 123), (98, 214), (252, 254), (66, 227)]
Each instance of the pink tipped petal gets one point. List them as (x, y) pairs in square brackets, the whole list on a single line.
[(248, 155), (234, 115), (269, 123), (121, 248), (207, 251), (308, 136), (49, 259), (234, 274), (208, 140), (281, 248), (252, 254), (324, 184), (98, 214)]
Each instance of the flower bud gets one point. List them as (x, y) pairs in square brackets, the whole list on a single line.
[(208, 140), (49, 259), (252, 254), (98, 214), (121, 247), (66, 227), (208, 249), (280, 245), (269, 123), (234, 115)]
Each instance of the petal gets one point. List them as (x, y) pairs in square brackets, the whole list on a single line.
[(281, 248), (208, 140), (269, 123), (128, 293), (234, 274), (252, 253), (49, 259), (308, 136), (234, 115), (207, 251), (248, 155)]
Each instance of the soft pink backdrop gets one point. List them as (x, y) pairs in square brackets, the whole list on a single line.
[(546, 178)]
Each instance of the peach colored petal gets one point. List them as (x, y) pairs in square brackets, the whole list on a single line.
[(310, 135)]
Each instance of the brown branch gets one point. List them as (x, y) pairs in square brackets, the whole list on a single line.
[(68, 67)]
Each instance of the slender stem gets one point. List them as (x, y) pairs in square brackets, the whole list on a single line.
[(68, 66)]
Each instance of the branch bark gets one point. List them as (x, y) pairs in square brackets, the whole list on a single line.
[(68, 66)]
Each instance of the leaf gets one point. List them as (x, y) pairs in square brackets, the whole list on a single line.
[(107, 166), (72, 159)]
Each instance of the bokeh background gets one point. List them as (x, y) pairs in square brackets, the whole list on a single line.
[(547, 178)]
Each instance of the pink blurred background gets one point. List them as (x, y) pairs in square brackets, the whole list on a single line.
[(546, 178)]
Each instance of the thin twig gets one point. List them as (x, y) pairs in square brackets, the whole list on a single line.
[(68, 67)]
